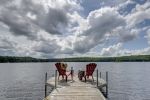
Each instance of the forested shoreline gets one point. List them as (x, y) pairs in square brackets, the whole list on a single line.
[(133, 58)]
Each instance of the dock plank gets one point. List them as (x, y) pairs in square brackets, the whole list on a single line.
[(75, 90)]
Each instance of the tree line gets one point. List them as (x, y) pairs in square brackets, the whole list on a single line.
[(20, 59), (132, 58)]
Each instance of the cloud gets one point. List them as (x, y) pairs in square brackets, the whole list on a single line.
[(134, 15), (123, 34), (55, 22), (5, 1), (112, 2), (143, 51), (29, 17), (138, 14), (148, 35), (62, 28), (7, 46), (118, 50), (17, 21), (112, 50), (10, 46), (129, 35), (52, 46), (126, 7), (46, 47), (100, 22), (7, 43)]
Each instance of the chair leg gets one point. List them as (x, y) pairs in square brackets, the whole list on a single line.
[(92, 78), (62, 76), (88, 77), (85, 78), (58, 77), (72, 76), (66, 78)]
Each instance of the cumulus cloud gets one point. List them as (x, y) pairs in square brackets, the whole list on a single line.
[(8, 46), (134, 14), (112, 2), (126, 7), (7, 43), (4, 1), (123, 34), (148, 35), (29, 17), (143, 51), (100, 22), (112, 50), (17, 21), (59, 28), (46, 47), (138, 14), (118, 50)]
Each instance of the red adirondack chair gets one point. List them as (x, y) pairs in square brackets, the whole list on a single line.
[(62, 72), (89, 70)]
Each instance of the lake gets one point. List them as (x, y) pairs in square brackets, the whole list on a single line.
[(25, 81)]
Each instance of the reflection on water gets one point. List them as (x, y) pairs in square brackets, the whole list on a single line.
[(25, 81)]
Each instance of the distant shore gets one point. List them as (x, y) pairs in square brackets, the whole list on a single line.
[(132, 58)]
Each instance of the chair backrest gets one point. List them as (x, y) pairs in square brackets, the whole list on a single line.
[(90, 68), (60, 70)]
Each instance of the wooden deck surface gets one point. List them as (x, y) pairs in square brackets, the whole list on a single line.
[(75, 90)]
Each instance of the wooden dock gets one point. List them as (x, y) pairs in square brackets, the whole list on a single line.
[(75, 89)]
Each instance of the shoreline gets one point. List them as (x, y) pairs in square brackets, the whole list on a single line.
[(132, 58)]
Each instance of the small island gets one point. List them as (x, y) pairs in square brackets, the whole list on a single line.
[(132, 58)]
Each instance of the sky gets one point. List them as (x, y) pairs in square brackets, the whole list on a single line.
[(74, 28)]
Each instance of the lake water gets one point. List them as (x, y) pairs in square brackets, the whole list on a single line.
[(25, 81)]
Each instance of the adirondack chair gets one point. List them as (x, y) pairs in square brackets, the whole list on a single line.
[(63, 72), (89, 70)]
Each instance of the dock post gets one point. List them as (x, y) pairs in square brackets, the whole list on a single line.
[(106, 84), (97, 77), (55, 79), (45, 84), (72, 72), (100, 74)]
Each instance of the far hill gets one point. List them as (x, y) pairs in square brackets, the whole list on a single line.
[(133, 58)]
